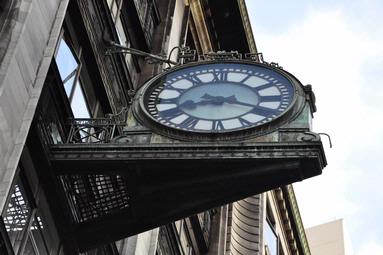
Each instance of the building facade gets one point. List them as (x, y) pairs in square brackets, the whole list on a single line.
[(329, 238), (69, 73)]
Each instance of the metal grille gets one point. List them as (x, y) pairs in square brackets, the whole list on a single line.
[(95, 196), (17, 212)]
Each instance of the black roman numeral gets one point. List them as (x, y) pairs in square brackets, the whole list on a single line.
[(245, 79), (264, 111), (221, 76), (170, 113), (271, 98), (194, 79), (190, 122), (264, 86), (167, 101), (217, 125), (244, 122)]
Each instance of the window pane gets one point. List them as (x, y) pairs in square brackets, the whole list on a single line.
[(68, 85), (29, 248), (79, 107), (121, 33), (270, 239), (65, 60), (55, 133), (185, 242), (36, 236), (164, 245), (16, 216)]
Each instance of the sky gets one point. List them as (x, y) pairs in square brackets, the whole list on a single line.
[(337, 47)]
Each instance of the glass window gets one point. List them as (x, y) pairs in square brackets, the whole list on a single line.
[(165, 242), (123, 37), (29, 249), (205, 221), (271, 239), (69, 66), (36, 237), (78, 104), (23, 227), (185, 240), (16, 216)]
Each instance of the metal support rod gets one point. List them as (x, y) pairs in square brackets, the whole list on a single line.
[(125, 49), (328, 136)]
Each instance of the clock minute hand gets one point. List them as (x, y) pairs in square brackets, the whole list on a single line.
[(233, 100), (242, 103)]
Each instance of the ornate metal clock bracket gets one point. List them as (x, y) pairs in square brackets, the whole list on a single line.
[(118, 48), (187, 55)]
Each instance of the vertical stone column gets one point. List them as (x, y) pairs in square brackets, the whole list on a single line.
[(245, 227), (200, 24)]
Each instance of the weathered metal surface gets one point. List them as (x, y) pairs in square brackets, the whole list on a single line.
[(165, 182)]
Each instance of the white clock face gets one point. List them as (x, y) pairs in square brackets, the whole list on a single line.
[(218, 97)]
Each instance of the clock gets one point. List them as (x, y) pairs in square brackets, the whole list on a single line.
[(217, 98)]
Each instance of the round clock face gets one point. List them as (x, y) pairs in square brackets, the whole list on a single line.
[(218, 97)]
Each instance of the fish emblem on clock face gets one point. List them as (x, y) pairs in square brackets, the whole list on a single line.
[(218, 97)]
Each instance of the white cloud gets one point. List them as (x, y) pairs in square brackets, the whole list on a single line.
[(372, 247), (340, 59)]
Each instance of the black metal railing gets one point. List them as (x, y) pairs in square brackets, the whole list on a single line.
[(100, 130)]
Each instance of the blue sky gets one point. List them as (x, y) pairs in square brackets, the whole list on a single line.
[(337, 46)]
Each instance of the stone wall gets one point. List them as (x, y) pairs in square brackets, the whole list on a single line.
[(28, 38)]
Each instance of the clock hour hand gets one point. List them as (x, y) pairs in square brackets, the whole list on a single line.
[(230, 100), (215, 100), (190, 104), (207, 96)]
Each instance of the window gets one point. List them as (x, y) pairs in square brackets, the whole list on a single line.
[(147, 13), (109, 249), (270, 235), (205, 223), (166, 241), (271, 239), (22, 222), (69, 65), (115, 7), (184, 241), (174, 239)]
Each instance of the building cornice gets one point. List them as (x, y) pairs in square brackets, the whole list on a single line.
[(297, 218), (200, 24), (247, 26), (293, 225)]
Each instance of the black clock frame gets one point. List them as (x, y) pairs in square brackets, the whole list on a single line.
[(144, 117)]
